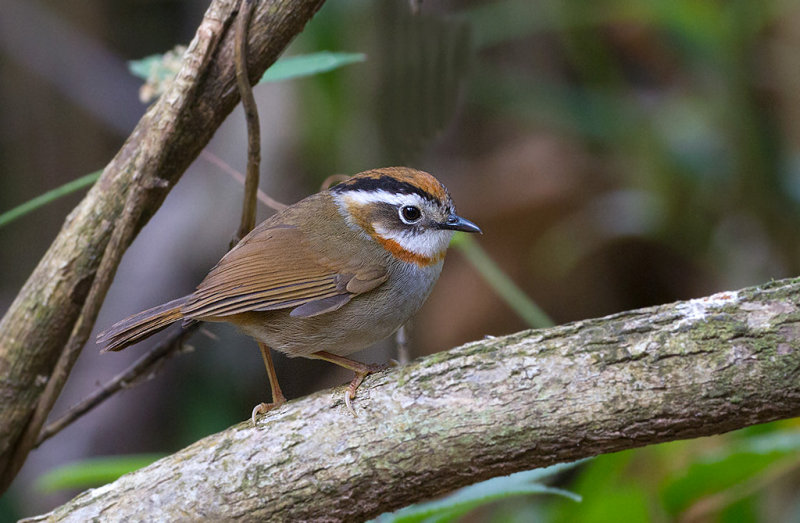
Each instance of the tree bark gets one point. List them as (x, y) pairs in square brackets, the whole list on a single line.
[(490, 407), (52, 306)]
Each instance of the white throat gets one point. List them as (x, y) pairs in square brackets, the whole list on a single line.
[(430, 243)]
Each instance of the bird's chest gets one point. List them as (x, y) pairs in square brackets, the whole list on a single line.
[(366, 319), (398, 299)]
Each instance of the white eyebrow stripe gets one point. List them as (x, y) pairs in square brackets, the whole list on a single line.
[(380, 196)]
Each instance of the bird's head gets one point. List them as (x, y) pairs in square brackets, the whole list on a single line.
[(408, 212)]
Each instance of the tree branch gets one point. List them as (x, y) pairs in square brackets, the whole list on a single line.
[(121, 237), (143, 369), (151, 362), (487, 408), (35, 329)]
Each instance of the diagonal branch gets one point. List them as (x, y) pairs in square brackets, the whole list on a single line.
[(487, 408), (151, 361), (121, 237), (143, 369), (35, 329)]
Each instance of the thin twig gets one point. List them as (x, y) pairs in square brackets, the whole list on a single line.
[(334, 178), (251, 114), (401, 339), (148, 363), (239, 177)]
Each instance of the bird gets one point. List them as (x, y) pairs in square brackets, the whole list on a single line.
[(325, 277)]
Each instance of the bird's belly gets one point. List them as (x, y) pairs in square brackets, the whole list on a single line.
[(366, 319)]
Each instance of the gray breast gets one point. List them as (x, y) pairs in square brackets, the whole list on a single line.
[(366, 319)]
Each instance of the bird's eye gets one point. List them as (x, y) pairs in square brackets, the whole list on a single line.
[(410, 214)]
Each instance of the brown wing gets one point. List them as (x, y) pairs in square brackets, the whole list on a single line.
[(273, 269)]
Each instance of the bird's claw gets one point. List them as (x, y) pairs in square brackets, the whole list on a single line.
[(263, 408), (348, 395)]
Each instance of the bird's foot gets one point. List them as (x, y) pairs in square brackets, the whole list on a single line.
[(361, 371), (360, 374), (263, 408)]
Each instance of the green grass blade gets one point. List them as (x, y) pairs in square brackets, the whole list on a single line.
[(519, 302), (43, 199), (92, 472)]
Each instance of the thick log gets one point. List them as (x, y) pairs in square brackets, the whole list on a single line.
[(488, 408)]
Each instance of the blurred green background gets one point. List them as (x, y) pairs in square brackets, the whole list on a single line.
[(617, 154)]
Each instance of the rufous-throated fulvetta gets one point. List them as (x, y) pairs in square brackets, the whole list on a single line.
[(325, 277)]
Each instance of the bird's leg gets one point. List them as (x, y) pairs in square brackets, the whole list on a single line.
[(278, 398), (360, 369)]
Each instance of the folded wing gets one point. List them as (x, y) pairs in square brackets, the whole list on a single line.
[(273, 269)]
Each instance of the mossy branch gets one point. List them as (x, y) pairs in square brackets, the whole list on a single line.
[(490, 407)]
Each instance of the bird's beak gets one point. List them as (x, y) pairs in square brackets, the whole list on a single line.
[(457, 223)]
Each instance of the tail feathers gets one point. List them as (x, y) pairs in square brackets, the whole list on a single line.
[(140, 326)]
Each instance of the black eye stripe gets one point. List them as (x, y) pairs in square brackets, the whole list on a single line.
[(383, 183)]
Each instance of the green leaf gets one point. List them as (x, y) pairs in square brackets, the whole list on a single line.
[(309, 64), (628, 503), (42, 200), (610, 492), (740, 462), (462, 501), (159, 70), (92, 472), (161, 67), (785, 441)]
